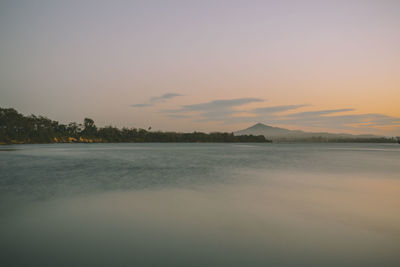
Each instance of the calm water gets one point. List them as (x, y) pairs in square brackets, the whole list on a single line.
[(200, 205)]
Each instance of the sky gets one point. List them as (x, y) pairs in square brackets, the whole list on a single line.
[(205, 65)]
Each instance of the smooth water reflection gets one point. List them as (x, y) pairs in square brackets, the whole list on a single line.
[(200, 205)]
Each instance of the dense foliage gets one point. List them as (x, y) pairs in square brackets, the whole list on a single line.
[(17, 128)]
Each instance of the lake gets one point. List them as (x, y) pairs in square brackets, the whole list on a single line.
[(200, 205)]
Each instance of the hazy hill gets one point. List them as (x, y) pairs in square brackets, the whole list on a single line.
[(281, 134)]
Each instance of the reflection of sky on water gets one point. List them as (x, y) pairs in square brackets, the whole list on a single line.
[(244, 211)]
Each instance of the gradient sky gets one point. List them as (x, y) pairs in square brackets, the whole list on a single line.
[(205, 65)]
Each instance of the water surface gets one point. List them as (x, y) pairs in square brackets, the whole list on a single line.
[(200, 205)]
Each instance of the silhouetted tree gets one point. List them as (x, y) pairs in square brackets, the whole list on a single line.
[(90, 129)]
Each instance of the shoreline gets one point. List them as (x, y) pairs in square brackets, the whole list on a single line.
[(202, 142)]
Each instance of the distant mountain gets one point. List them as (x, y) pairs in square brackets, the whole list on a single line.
[(281, 134)]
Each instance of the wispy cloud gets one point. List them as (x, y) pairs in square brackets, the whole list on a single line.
[(217, 110), (141, 105), (223, 104), (276, 109), (264, 114), (318, 113), (164, 97), (156, 99)]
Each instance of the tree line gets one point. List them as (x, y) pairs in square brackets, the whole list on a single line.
[(15, 128)]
